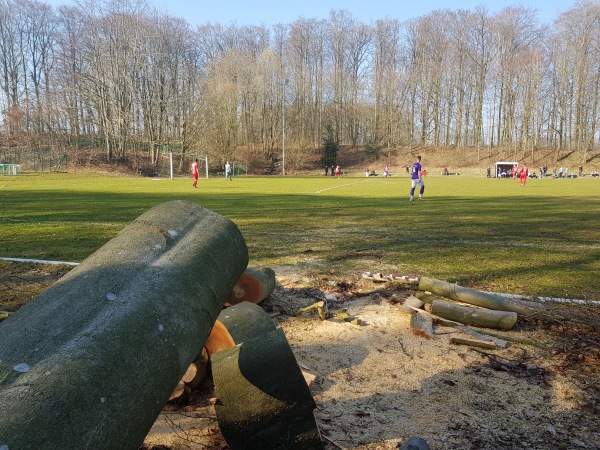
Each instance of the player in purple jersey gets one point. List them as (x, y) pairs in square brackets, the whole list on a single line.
[(417, 180)]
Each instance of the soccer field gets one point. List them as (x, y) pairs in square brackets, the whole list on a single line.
[(541, 239)]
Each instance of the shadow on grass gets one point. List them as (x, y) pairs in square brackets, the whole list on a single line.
[(545, 245)]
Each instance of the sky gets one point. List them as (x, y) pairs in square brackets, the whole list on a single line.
[(271, 12)]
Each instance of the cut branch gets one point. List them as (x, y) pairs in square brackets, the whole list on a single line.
[(479, 298), (474, 316)]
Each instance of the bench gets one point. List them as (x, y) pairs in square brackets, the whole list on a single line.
[(148, 171)]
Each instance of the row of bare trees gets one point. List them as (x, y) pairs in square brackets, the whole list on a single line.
[(119, 73)]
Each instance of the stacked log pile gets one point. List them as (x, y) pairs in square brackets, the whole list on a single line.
[(442, 303)]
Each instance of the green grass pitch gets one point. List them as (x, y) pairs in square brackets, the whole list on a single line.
[(486, 233)]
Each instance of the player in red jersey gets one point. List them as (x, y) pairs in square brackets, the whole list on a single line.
[(195, 173), (524, 174)]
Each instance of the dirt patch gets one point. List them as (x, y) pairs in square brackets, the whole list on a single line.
[(20, 282), (379, 384)]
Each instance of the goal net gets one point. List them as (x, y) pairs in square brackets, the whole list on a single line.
[(239, 168), (178, 165)]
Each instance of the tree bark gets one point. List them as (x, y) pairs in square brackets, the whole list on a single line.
[(478, 298), (264, 400), (474, 343), (422, 324), (91, 361), (479, 317), (410, 304)]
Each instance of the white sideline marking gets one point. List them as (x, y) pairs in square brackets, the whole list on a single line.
[(339, 186), (39, 261), (514, 296), (547, 299)]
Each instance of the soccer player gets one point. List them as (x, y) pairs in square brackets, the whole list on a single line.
[(195, 173), (417, 180), (228, 176), (514, 172), (524, 173)]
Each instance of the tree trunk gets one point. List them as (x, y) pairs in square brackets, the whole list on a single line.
[(91, 361), (478, 317), (478, 298), (410, 304), (421, 324), (474, 343), (264, 400), (255, 284)]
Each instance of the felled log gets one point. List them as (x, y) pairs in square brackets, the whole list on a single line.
[(410, 304), (478, 298), (421, 324), (517, 339), (263, 399), (195, 374), (199, 369), (474, 343), (427, 298), (91, 361), (245, 321), (255, 284), (181, 393), (219, 338), (481, 335), (479, 317)]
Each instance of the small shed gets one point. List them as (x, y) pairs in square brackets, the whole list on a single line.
[(506, 167)]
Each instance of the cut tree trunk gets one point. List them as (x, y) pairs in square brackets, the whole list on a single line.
[(263, 399), (478, 298), (255, 284), (246, 321), (410, 304), (479, 317), (195, 374), (113, 337), (474, 343), (465, 329), (422, 324), (427, 298)]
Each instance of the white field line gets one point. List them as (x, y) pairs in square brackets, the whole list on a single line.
[(340, 185), (39, 261), (512, 296), (548, 299)]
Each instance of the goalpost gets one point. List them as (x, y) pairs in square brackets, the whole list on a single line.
[(179, 164)]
